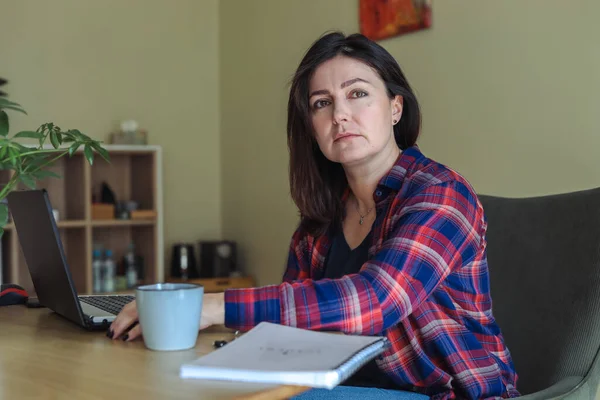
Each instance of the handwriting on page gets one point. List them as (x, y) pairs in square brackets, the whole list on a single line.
[(275, 354), (284, 351)]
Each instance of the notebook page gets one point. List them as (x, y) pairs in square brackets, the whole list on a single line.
[(274, 347)]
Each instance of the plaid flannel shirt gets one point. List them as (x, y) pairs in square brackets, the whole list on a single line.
[(425, 287)]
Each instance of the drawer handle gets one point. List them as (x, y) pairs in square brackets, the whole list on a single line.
[(222, 282)]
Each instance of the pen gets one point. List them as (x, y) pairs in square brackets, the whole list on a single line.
[(221, 343)]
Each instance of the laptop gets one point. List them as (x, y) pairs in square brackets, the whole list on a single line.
[(44, 254)]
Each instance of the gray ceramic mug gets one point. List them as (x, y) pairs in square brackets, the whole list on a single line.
[(169, 314)]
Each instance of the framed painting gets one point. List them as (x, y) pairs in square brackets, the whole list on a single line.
[(381, 19)]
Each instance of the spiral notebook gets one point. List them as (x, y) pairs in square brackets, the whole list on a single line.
[(273, 353)]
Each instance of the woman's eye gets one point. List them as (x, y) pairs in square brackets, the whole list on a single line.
[(358, 93), (320, 104)]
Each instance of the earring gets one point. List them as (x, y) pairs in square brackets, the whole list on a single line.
[(394, 121)]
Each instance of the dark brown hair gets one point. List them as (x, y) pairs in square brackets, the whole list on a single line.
[(317, 184)]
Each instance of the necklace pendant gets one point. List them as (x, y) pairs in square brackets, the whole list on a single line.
[(361, 220)]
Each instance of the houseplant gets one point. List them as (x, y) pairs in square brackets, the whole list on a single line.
[(28, 163)]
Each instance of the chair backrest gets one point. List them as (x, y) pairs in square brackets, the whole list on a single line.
[(544, 261)]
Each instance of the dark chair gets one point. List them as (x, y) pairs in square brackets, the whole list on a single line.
[(544, 261)]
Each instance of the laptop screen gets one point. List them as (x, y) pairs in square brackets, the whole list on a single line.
[(40, 241)]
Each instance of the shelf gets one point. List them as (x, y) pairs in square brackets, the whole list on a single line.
[(101, 222), (71, 224), (123, 222), (75, 223), (133, 174)]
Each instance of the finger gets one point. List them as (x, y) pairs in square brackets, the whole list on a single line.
[(124, 320), (120, 325), (133, 333), (204, 321), (123, 325), (204, 325)]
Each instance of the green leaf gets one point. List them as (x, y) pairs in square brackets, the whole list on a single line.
[(3, 123), (89, 154), (29, 134), (3, 214), (68, 137), (54, 139), (20, 148), (7, 104), (13, 154), (74, 133), (27, 180), (45, 174), (13, 108), (103, 153), (3, 152), (35, 163), (77, 133), (73, 148)]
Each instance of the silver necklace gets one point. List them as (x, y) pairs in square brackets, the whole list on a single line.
[(362, 217)]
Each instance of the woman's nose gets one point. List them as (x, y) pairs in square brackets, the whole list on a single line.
[(340, 114)]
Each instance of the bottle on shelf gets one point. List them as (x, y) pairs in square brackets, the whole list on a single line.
[(121, 278), (109, 272), (139, 264), (97, 269), (131, 269)]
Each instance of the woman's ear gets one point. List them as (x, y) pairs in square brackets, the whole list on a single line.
[(397, 106)]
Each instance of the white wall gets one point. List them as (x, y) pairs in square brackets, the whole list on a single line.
[(90, 64)]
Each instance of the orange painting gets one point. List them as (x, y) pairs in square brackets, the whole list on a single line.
[(380, 19)]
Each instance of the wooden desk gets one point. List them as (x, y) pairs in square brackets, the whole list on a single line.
[(43, 355)]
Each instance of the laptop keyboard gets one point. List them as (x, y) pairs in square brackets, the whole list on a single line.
[(112, 304)]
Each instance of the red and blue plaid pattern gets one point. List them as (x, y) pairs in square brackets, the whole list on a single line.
[(425, 287)]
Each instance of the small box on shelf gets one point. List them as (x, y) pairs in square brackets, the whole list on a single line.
[(103, 211), (143, 214)]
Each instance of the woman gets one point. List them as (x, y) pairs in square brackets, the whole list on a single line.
[(390, 242)]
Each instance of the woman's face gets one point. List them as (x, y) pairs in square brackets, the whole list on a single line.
[(351, 112)]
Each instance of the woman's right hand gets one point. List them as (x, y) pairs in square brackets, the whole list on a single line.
[(126, 318), (213, 313)]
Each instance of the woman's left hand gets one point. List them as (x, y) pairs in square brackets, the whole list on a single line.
[(213, 310)]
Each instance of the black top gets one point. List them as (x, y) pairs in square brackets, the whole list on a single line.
[(342, 260)]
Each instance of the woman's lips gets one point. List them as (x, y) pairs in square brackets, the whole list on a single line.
[(345, 135)]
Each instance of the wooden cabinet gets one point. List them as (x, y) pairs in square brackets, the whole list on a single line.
[(133, 174)]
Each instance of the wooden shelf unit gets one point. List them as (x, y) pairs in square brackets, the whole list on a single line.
[(134, 174)]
